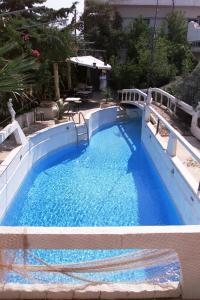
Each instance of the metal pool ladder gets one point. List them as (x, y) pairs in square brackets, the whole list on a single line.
[(82, 132)]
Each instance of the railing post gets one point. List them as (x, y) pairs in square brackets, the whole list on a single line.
[(198, 192), (147, 114), (168, 102), (172, 145), (158, 125), (149, 97), (134, 97), (161, 99), (156, 97), (139, 98)]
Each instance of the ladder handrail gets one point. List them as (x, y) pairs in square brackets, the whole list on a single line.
[(79, 122), (85, 123), (71, 117)]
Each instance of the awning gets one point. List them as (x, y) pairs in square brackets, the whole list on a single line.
[(90, 62)]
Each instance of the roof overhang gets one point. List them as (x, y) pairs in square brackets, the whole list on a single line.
[(90, 62)]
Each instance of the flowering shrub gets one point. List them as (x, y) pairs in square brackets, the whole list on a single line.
[(25, 37), (35, 53)]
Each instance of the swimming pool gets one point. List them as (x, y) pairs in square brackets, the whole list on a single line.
[(112, 182)]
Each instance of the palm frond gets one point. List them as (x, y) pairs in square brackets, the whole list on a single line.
[(15, 74)]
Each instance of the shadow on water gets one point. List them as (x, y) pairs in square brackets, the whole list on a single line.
[(155, 207), (154, 204)]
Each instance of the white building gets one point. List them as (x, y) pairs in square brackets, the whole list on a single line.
[(130, 9), (193, 37)]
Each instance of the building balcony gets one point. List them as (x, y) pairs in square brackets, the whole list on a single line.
[(177, 3)]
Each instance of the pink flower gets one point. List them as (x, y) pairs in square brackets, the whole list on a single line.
[(25, 37), (35, 53)]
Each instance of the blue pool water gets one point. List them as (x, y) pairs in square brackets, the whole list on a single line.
[(112, 182)]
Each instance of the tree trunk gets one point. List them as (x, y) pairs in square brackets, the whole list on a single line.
[(69, 79), (56, 81)]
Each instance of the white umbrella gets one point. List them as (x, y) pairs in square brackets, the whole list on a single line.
[(90, 62)]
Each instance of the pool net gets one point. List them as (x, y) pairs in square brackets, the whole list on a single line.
[(89, 266)]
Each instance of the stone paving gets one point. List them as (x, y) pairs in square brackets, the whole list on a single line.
[(7, 146)]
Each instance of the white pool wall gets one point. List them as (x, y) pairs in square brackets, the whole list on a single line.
[(172, 172), (101, 118), (185, 240), (17, 165)]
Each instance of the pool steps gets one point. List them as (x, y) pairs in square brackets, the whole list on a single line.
[(121, 114), (82, 133)]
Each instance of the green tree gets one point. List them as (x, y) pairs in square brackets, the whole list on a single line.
[(188, 90), (137, 30), (56, 45), (16, 75), (14, 5), (103, 27), (38, 34), (179, 52)]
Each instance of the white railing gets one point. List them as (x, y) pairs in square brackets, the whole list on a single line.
[(173, 139), (162, 97), (174, 135), (159, 96), (132, 95)]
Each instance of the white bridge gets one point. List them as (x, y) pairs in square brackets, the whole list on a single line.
[(159, 97), (162, 98)]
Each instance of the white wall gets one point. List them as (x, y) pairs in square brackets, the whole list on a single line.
[(153, 2), (101, 118), (169, 168), (193, 34), (185, 240), (14, 169)]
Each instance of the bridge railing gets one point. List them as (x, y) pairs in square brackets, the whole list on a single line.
[(173, 133), (163, 98), (174, 137), (132, 95)]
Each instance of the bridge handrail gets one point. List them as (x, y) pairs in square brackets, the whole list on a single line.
[(133, 91), (173, 132), (177, 135), (177, 102), (164, 93)]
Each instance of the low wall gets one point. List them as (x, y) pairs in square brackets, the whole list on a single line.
[(101, 118), (14, 169), (26, 119), (186, 201)]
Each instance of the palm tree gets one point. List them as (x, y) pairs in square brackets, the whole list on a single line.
[(15, 75), (55, 45)]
